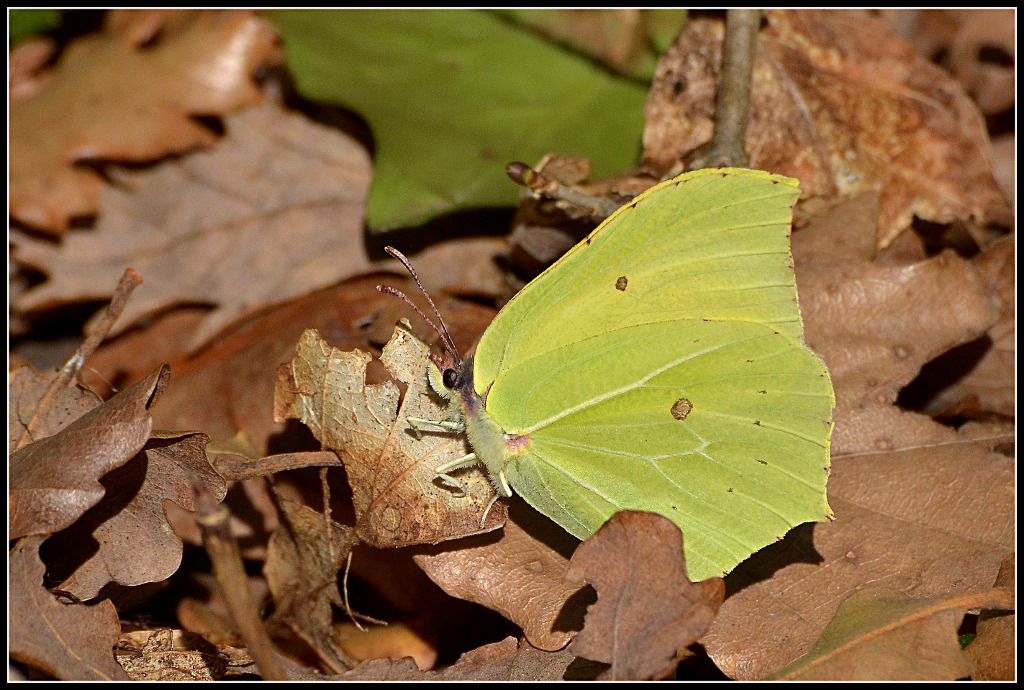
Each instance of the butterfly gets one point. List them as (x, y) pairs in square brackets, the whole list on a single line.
[(659, 365)]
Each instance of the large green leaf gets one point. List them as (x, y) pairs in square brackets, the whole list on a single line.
[(452, 96), (24, 23)]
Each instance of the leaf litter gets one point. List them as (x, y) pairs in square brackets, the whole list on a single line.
[(272, 212), (127, 93), (923, 509)]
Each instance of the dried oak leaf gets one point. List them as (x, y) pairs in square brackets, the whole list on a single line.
[(130, 93), (520, 575), (880, 634), (125, 538), (25, 389), (303, 559), (67, 641), (54, 480), (932, 517), (224, 389), (273, 211), (876, 325), (498, 661), (989, 380), (994, 650), (843, 105), (647, 611), (389, 467)]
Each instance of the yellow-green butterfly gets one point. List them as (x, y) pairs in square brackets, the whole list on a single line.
[(660, 366)]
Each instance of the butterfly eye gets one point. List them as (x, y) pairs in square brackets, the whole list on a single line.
[(449, 378)]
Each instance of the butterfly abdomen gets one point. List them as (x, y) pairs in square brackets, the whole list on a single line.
[(493, 447)]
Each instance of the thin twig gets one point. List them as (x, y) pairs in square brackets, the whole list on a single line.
[(96, 334), (213, 520), (542, 185), (732, 102)]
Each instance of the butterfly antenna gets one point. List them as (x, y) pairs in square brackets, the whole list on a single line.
[(449, 344)]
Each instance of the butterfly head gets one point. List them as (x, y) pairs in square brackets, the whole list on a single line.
[(450, 373)]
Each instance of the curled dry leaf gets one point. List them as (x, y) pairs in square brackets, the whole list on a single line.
[(125, 538), (876, 325), (520, 575), (647, 611), (934, 517), (304, 556), (275, 210), (130, 93), (54, 480), (879, 634), (68, 641), (390, 469), (843, 105)]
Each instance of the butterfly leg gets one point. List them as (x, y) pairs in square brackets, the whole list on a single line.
[(488, 511), (456, 464), (419, 424)]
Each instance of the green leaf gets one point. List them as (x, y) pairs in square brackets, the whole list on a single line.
[(452, 96), (24, 23)]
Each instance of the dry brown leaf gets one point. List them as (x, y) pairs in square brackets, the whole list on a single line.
[(934, 517), (647, 611), (994, 648), (395, 640), (619, 38), (129, 93), (225, 388), (304, 556), (499, 661), (465, 267), (519, 575), (879, 634), (876, 325), (275, 210), (390, 469), (67, 641), (843, 105), (989, 382), (125, 538), (25, 388), (978, 47), (1004, 160), (54, 480), (25, 64), (166, 654)]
